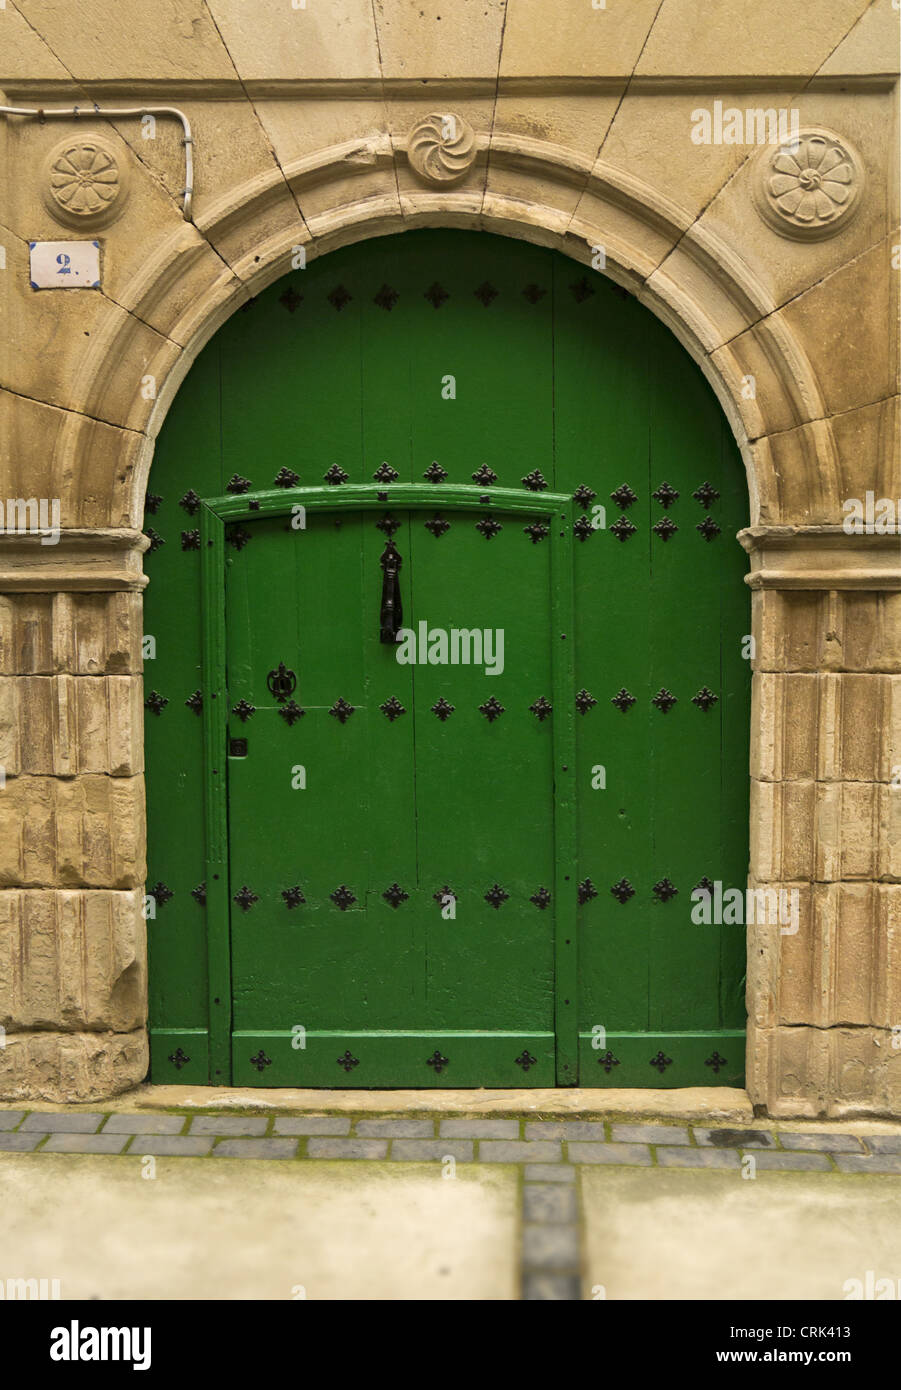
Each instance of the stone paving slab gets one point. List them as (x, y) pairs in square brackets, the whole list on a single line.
[(868, 1163), (412, 1149), (779, 1161), (10, 1118), (538, 1286), (650, 1134), (698, 1158), (335, 1125), (822, 1143), (550, 1247), (19, 1143), (549, 1172), (144, 1124), (171, 1145), (63, 1123), (566, 1129), (519, 1151), (479, 1129), (638, 1154), (234, 1125), (256, 1148), (734, 1138), (85, 1143), (548, 1202), (347, 1148), (884, 1143), (396, 1129)]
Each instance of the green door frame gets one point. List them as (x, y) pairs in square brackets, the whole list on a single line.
[(550, 507)]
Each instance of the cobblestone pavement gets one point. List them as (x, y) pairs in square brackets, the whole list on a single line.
[(547, 1155)]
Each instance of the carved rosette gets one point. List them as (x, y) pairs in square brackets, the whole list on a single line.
[(810, 188), (84, 182), (441, 147)]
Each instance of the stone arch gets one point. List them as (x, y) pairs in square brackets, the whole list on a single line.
[(689, 278)]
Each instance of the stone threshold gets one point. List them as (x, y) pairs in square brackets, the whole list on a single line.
[(697, 1104)]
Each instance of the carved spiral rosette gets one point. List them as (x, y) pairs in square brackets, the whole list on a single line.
[(809, 188), (441, 147), (85, 181)]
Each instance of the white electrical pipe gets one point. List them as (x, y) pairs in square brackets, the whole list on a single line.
[(116, 111)]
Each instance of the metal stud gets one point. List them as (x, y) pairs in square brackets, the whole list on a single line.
[(438, 1062), (395, 895), (388, 525), (155, 539), (706, 494), (237, 536), (496, 895), (492, 709), (584, 495), (392, 709), (623, 700), (291, 712), (156, 702), (335, 476), (236, 484), (435, 473), (442, 709), (443, 894), (161, 894), (525, 1060), (664, 890), (708, 528), (438, 526), (281, 683), (385, 473), (244, 710), (704, 885), (541, 708), (665, 528), (291, 299), (348, 1061), (716, 1061), (664, 700), (386, 298), (585, 701), (488, 527), (624, 496), (195, 702), (199, 894), (342, 897), (293, 896), (533, 293), (261, 1061), (623, 529), (665, 495), (486, 293), (339, 297), (286, 477), (623, 891), (704, 699), (537, 531), (342, 710), (484, 475), (245, 898), (178, 1058), (582, 290), (152, 502), (583, 528), (436, 295), (608, 1061), (534, 481), (190, 502), (587, 891), (541, 897), (661, 1062)]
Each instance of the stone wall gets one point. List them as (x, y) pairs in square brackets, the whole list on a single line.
[(573, 128)]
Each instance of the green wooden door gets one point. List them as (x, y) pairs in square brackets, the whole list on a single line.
[(390, 388)]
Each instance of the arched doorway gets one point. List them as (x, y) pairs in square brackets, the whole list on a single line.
[(472, 866)]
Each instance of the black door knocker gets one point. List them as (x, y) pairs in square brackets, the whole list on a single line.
[(391, 617), (281, 683)]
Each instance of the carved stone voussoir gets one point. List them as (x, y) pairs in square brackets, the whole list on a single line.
[(808, 187), (441, 147)]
